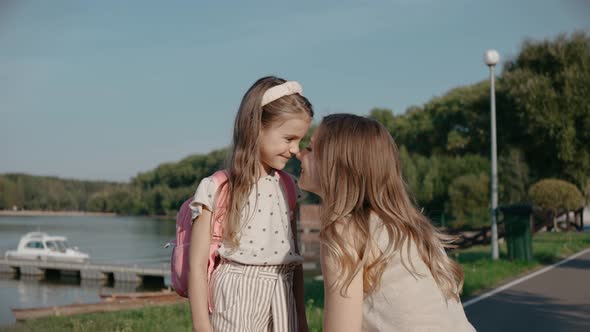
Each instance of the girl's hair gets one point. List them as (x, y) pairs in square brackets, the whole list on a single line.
[(244, 161), (360, 173)]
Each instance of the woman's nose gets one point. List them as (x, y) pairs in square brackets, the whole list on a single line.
[(299, 155)]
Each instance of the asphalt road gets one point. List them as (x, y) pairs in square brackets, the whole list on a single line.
[(555, 300)]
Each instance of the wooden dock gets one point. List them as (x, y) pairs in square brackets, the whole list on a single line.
[(86, 271), (90, 271)]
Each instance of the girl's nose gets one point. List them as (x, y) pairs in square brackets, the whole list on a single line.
[(294, 150)]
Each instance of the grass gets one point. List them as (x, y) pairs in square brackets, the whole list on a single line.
[(157, 318), (481, 273)]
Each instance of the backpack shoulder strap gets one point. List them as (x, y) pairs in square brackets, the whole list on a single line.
[(288, 183), (219, 178)]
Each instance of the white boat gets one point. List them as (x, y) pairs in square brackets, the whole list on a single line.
[(44, 247)]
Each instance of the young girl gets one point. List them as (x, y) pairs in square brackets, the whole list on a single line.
[(384, 264), (259, 284)]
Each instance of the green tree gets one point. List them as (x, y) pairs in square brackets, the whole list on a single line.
[(429, 178), (513, 177), (409, 171), (98, 202), (468, 198), (548, 85), (385, 117), (7, 193)]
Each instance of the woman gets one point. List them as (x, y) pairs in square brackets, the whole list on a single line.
[(384, 264)]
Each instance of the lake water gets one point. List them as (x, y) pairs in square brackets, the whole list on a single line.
[(113, 240)]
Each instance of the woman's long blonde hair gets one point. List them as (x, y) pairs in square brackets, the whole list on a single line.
[(244, 161), (360, 174)]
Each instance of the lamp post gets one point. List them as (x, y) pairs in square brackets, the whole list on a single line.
[(491, 58)]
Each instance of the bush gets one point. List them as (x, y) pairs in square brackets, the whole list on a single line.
[(556, 196)]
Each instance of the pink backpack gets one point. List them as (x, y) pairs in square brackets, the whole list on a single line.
[(179, 263)]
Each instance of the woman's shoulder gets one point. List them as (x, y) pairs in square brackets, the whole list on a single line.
[(346, 229), (386, 235), (376, 225)]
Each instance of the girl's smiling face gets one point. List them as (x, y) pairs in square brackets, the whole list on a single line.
[(309, 179), (280, 142)]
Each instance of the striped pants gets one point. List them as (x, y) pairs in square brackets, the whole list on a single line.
[(252, 298)]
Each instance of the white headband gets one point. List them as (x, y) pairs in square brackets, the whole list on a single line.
[(285, 89)]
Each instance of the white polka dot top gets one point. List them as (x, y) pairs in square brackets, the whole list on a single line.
[(266, 237)]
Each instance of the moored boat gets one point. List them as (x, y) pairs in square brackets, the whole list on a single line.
[(44, 247)]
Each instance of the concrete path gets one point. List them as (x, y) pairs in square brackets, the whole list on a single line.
[(556, 298)]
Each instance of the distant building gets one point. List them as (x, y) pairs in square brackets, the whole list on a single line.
[(309, 218), (309, 225)]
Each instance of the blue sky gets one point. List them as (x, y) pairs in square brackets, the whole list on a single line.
[(106, 89)]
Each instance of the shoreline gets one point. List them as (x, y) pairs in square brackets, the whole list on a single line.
[(41, 213)]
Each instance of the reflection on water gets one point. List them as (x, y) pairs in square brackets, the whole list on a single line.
[(28, 291), (35, 291)]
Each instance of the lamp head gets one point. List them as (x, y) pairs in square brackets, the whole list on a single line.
[(491, 57)]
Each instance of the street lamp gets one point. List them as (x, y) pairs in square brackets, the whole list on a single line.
[(491, 58)]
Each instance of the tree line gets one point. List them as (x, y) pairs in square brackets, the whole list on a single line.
[(29, 192)]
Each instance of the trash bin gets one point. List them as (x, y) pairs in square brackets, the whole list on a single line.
[(517, 225)]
